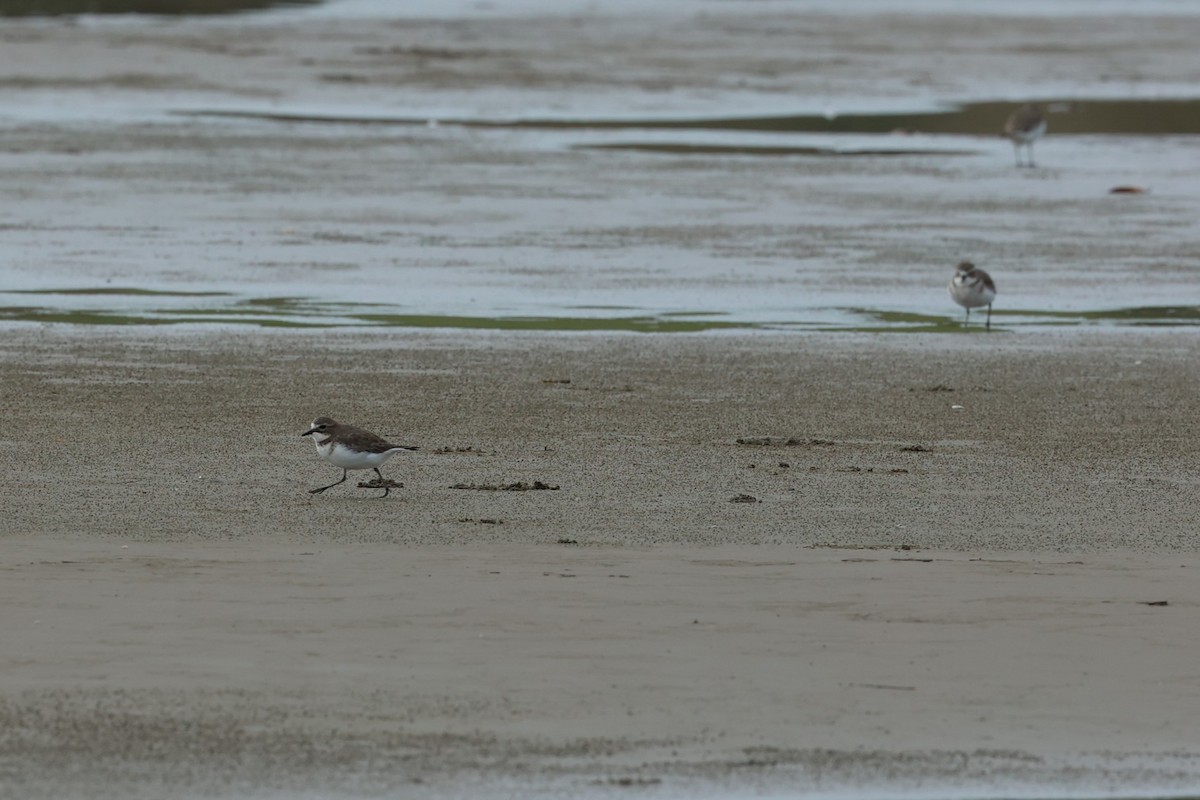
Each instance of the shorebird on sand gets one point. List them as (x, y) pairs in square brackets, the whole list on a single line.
[(971, 287), (350, 448)]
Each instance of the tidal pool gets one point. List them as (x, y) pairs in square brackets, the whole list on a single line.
[(133, 306)]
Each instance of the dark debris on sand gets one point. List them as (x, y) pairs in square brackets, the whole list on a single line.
[(519, 486), (779, 441), (376, 483)]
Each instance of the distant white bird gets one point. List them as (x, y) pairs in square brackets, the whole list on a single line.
[(1024, 127), (971, 287)]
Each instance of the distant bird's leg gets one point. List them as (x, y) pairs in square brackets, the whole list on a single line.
[(1017, 153), (384, 482), (989, 318), (330, 486), (1031, 155)]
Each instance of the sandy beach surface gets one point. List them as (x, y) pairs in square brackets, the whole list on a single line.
[(997, 598), (708, 565)]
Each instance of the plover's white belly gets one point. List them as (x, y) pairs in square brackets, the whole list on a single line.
[(1027, 136), (341, 456), (971, 295)]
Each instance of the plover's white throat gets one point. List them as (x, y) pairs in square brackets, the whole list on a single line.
[(1024, 127), (350, 448), (971, 287)]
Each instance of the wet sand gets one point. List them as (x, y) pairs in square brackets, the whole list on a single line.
[(121, 180), (1075, 443), (923, 597)]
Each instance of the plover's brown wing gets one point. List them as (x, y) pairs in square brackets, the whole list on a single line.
[(986, 279), (1023, 120), (365, 441)]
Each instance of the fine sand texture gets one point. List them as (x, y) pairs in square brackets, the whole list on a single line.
[(968, 565)]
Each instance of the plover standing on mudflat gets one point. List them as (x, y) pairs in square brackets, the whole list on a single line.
[(350, 448), (1024, 127), (971, 287)]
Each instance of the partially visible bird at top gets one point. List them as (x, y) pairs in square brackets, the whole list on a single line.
[(1025, 126)]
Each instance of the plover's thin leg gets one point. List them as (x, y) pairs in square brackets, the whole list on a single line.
[(384, 482), (330, 486), (989, 318), (967, 319)]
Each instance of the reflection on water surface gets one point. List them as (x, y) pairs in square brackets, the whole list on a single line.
[(134, 306)]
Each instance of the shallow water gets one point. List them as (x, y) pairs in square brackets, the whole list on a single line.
[(132, 306), (343, 225), (315, 188)]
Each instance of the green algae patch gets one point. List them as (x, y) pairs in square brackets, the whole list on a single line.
[(1078, 116), (132, 306)]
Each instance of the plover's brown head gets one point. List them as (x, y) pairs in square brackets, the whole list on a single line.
[(320, 425), (963, 267)]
